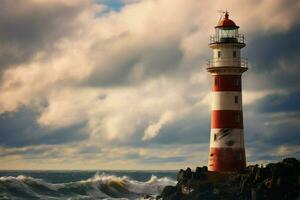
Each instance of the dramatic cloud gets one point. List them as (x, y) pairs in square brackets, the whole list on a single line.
[(125, 78), (20, 129), (29, 27)]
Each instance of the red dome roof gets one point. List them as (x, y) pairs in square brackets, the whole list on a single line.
[(226, 22)]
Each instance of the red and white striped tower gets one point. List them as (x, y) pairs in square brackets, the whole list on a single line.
[(227, 150)]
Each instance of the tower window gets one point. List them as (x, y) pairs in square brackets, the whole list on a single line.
[(236, 99), (219, 54), (237, 81), (238, 118), (239, 157), (234, 54), (216, 81), (215, 137)]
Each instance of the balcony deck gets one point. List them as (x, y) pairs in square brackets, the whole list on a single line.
[(237, 39), (227, 62)]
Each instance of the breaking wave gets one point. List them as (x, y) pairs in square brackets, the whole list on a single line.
[(98, 187)]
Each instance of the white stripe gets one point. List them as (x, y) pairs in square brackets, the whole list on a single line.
[(228, 72), (226, 100), (227, 138)]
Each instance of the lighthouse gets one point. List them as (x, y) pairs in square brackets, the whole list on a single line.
[(227, 149)]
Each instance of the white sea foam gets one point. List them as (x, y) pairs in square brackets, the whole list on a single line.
[(153, 186), (101, 186)]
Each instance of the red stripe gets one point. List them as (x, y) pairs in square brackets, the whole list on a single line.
[(226, 83), (227, 119), (226, 159)]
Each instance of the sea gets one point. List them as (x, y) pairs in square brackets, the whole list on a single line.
[(83, 185)]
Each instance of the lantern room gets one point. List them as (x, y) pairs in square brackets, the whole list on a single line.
[(226, 32)]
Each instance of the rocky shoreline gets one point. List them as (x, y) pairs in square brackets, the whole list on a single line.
[(274, 181)]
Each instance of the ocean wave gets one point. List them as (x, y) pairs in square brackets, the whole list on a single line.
[(100, 186)]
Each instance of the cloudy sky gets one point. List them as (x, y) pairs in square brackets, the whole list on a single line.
[(122, 84)]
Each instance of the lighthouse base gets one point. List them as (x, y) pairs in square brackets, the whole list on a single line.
[(226, 159)]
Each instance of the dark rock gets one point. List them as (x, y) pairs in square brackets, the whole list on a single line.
[(168, 190), (274, 181), (200, 172), (149, 197), (170, 193), (188, 173), (180, 175)]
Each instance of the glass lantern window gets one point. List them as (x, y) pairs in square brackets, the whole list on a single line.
[(226, 34)]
